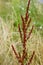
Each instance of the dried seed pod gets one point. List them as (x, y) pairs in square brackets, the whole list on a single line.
[(24, 37)]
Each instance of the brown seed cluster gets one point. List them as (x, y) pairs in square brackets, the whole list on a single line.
[(24, 37)]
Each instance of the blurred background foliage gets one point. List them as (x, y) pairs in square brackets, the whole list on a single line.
[(11, 10)]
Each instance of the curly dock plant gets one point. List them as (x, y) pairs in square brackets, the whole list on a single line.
[(24, 37)]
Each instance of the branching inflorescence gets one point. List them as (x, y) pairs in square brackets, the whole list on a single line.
[(24, 37)]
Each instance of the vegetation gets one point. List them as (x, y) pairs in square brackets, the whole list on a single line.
[(25, 24), (10, 17)]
